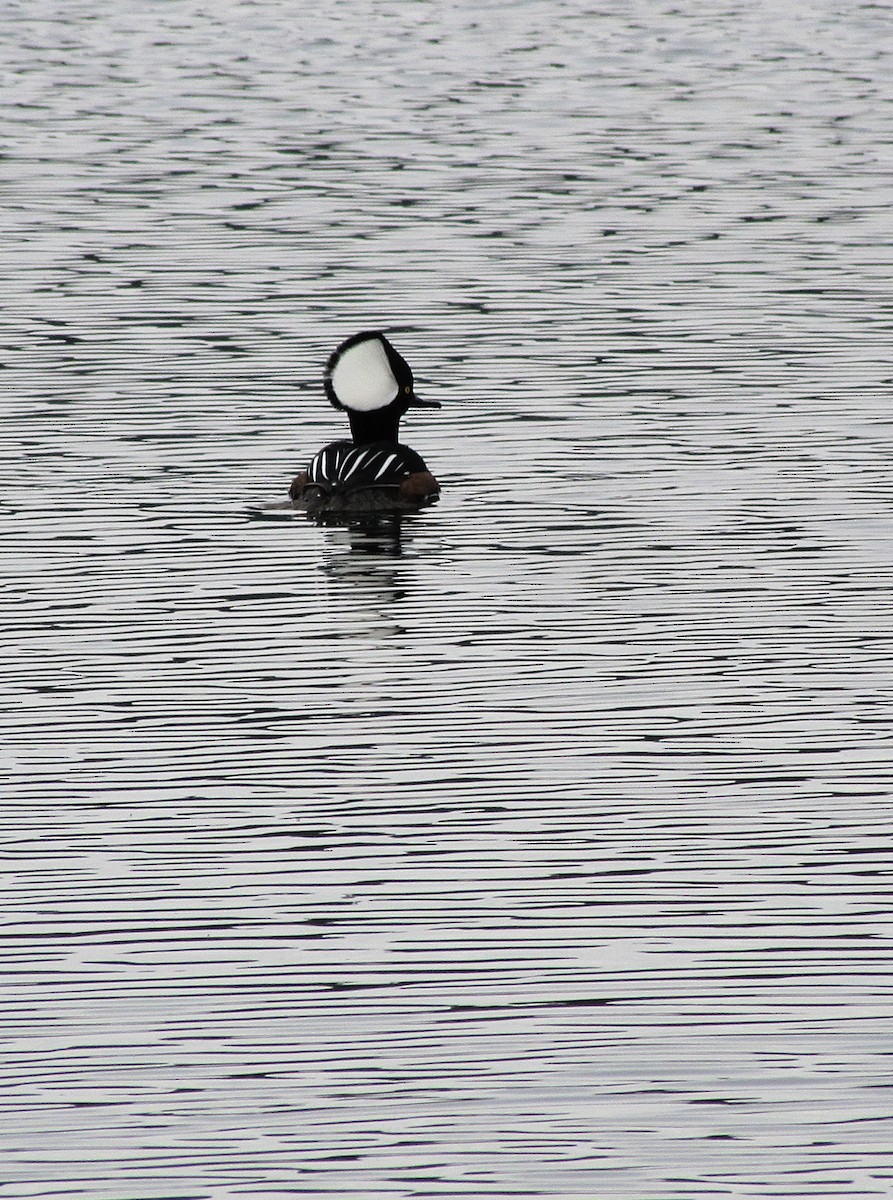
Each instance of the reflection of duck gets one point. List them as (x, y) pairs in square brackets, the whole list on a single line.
[(373, 473), (379, 535)]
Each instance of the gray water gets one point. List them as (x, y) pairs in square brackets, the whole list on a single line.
[(544, 849)]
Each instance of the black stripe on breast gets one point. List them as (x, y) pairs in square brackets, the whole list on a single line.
[(344, 467)]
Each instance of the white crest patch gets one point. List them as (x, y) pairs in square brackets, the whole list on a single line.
[(362, 377)]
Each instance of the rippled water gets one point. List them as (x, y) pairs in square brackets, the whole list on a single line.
[(545, 849)]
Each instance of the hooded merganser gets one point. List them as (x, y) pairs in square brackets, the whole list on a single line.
[(372, 383)]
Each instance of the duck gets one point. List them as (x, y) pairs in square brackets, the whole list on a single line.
[(373, 472)]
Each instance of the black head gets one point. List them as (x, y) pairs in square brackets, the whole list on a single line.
[(373, 384)]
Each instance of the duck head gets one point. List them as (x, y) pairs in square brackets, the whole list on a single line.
[(372, 383)]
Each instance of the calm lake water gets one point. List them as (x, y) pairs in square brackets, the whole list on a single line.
[(545, 849)]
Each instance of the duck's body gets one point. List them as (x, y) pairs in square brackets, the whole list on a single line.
[(372, 473)]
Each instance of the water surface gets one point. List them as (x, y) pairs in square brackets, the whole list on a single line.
[(544, 851)]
